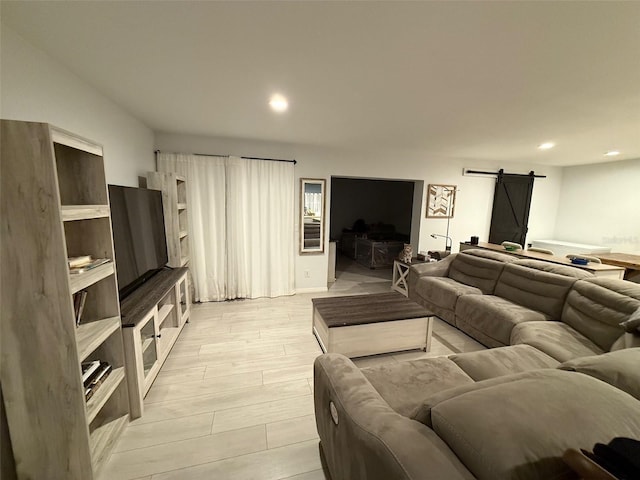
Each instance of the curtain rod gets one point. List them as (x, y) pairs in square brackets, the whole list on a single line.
[(501, 172), (294, 161)]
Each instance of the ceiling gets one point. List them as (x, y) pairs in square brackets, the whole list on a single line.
[(467, 80)]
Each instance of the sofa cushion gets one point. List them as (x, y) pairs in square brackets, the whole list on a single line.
[(520, 428), (502, 361), (444, 291), (620, 369), (556, 339), (403, 385), (422, 413), (477, 269), (494, 316), (597, 306), (536, 285)]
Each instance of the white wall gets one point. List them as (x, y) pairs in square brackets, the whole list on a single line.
[(473, 204), (600, 205), (35, 87)]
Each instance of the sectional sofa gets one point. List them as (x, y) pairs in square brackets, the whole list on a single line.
[(561, 376)]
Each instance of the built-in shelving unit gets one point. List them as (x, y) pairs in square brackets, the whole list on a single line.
[(55, 206), (174, 200)]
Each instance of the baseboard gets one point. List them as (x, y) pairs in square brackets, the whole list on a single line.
[(312, 290)]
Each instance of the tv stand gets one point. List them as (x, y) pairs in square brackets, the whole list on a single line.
[(152, 318)]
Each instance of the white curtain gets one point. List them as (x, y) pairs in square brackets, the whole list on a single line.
[(241, 225)]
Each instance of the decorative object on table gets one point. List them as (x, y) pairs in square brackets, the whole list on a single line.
[(511, 246), (540, 250), (441, 201), (582, 259), (474, 240), (406, 253)]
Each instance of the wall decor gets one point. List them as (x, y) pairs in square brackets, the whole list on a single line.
[(312, 215), (441, 201)]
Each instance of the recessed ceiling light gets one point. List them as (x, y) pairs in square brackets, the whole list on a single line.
[(278, 103), (612, 153), (546, 145)]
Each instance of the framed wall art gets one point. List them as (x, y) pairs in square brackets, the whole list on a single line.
[(441, 200)]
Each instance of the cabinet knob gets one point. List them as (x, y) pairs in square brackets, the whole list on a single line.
[(158, 335)]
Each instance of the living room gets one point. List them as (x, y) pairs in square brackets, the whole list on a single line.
[(117, 73)]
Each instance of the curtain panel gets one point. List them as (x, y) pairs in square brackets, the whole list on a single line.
[(241, 225)]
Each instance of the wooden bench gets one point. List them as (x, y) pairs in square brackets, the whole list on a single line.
[(362, 325)]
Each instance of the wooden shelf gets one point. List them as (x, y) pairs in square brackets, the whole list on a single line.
[(78, 281), (90, 336), (164, 311), (104, 392), (84, 212), (103, 440), (49, 421), (184, 261), (182, 206)]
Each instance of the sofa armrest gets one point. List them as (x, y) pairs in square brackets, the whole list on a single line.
[(431, 269), (364, 439)]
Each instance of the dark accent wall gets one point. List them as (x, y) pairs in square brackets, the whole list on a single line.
[(375, 201)]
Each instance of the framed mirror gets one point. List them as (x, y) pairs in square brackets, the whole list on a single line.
[(312, 213)]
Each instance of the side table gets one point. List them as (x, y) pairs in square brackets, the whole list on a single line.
[(400, 274)]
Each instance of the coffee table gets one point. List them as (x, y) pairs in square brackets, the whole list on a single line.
[(362, 325)]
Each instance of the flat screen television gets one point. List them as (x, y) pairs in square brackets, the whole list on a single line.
[(138, 235)]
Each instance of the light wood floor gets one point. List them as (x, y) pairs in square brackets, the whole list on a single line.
[(234, 399)]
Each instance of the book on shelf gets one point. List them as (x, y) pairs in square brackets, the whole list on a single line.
[(97, 379), (79, 299), (88, 369), (88, 266), (75, 262)]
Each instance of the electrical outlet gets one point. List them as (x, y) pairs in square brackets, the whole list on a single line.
[(307, 274)]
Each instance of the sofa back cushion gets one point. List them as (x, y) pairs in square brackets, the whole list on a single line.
[(620, 369), (521, 428), (537, 285), (478, 268), (595, 308)]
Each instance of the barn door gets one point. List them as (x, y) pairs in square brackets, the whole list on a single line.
[(511, 203)]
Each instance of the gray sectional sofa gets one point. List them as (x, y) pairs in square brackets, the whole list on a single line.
[(500, 300), (563, 374)]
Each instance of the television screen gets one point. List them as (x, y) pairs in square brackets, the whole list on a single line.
[(138, 235)]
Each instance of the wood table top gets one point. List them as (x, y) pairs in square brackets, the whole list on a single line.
[(364, 309), (595, 267), (625, 260)]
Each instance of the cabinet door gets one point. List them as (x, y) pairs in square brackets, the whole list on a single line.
[(149, 349)]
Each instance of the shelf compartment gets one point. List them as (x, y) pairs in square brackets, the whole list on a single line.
[(84, 212), (78, 281), (104, 392), (164, 312), (90, 336), (103, 440)]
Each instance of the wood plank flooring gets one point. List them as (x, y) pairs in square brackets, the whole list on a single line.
[(234, 399)]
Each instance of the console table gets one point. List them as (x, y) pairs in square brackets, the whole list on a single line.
[(597, 269), (152, 318), (631, 263)]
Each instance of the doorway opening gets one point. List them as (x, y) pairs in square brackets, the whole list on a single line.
[(371, 219)]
